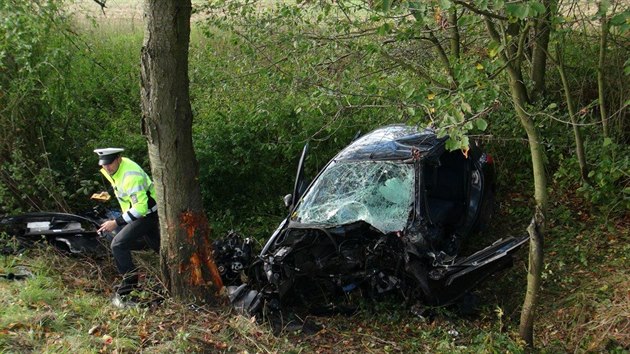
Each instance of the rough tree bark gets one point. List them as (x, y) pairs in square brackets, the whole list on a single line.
[(188, 268)]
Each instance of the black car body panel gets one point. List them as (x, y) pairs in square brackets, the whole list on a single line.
[(72, 233)]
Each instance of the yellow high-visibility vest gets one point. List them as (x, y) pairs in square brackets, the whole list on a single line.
[(134, 190)]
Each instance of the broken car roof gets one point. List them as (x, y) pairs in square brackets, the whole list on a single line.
[(394, 142)]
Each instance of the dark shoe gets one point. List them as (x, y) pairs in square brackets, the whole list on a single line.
[(128, 284)]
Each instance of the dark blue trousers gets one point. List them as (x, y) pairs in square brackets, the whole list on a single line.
[(140, 234)]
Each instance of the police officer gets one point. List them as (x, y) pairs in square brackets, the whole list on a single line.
[(139, 221)]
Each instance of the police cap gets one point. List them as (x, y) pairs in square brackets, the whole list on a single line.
[(107, 155)]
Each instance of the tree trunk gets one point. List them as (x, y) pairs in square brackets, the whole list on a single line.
[(539, 57), (188, 268), (579, 144), (455, 37), (519, 96), (536, 244), (520, 100), (603, 42)]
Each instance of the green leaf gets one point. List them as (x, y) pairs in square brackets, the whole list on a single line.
[(482, 4), (517, 10), (459, 115), (382, 5), (445, 4), (384, 29), (451, 144), (416, 8), (620, 19), (494, 48), (481, 124), (537, 8), (607, 142), (603, 7), (464, 143)]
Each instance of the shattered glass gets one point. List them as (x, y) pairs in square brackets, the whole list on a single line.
[(377, 192)]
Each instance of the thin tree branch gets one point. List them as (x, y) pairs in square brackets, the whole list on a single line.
[(419, 71), (520, 49), (101, 3), (443, 55), (479, 11)]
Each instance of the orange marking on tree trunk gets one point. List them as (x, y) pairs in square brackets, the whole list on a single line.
[(194, 223), (209, 261), (191, 221), (196, 275)]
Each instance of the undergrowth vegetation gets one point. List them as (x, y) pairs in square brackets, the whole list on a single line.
[(68, 86), (62, 305)]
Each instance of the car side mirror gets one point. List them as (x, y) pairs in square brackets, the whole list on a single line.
[(287, 200)]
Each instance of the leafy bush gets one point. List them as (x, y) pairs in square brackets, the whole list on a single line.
[(609, 182), (62, 96)]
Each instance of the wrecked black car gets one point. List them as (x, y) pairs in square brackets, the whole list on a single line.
[(389, 213)]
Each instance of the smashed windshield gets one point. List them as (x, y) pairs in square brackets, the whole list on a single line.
[(377, 192)]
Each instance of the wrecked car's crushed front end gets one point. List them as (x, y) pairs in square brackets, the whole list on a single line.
[(313, 266)]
